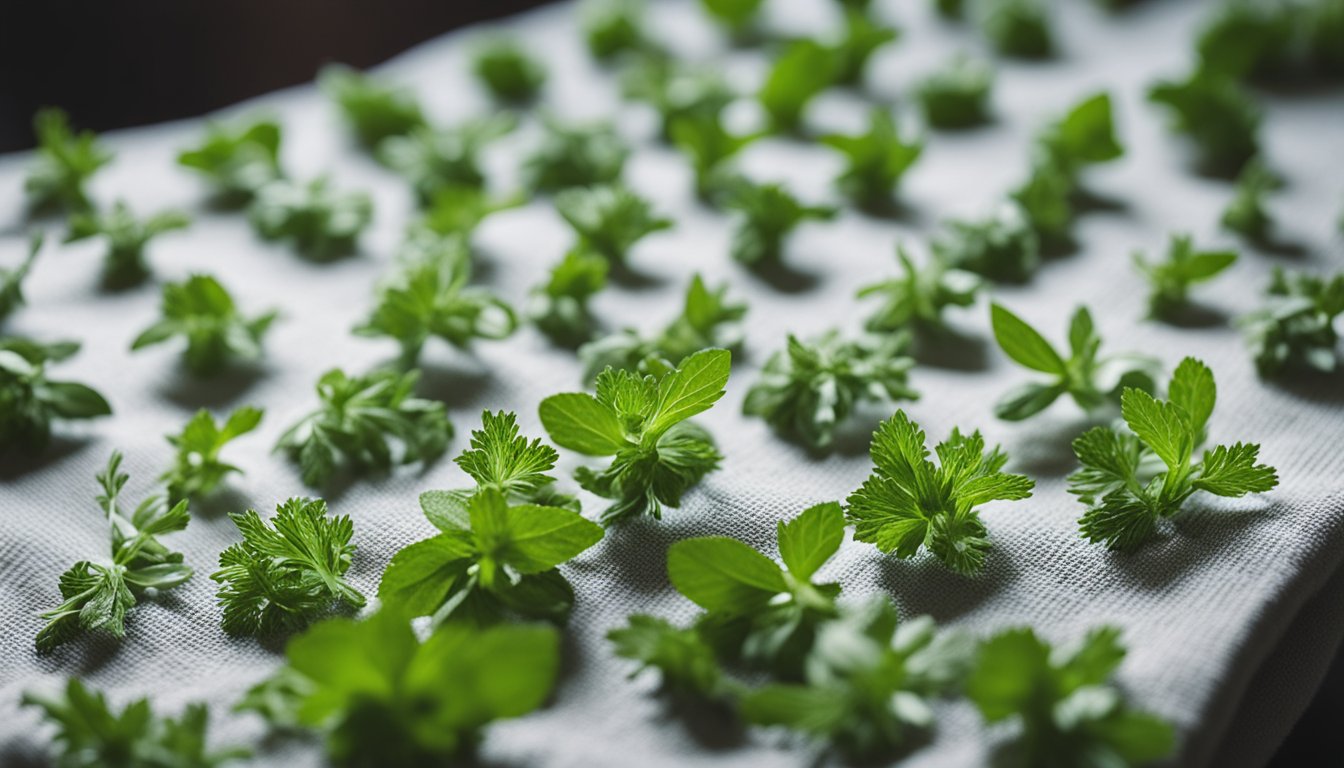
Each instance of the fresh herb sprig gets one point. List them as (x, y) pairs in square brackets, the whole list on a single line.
[(372, 109), (740, 18), (507, 70), (809, 389), (1245, 213), (30, 401), (124, 263), (916, 299), (1170, 280), (1087, 377), (1295, 329), (710, 317), (614, 28), (676, 91), (909, 503), (864, 36), (799, 74), (436, 159), (709, 147), (203, 312), (501, 459), (956, 95), (284, 575), (359, 422), (1071, 712), (197, 469), (685, 663), (876, 160), (766, 215), (96, 596), (575, 155), (63, 165), (642, 423), (458, 209), (11, 279), (321, 222), (1217, 114), (1002, 247), (1131, 480), (609, 219), (559, 306), (379, 696), (236, 160), (1018, 28), (90, 732)]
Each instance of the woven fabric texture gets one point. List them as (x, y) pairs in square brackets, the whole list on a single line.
[(1203, 608)]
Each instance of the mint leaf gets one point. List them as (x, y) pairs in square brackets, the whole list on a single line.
[(877, 160), (1184, 266), (373, 110), (63, 164), (916, 300), (559, 306), (34, 400), (800, 73), (236, 160), (722, 574), (810, 539)]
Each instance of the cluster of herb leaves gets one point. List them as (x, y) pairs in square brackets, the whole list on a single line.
[(11, 279), (811, 388), (676, 91), (1088, 378), (559, 307), (641, 421), (96, 595), (608, 219), (1003, 247), (877, 160), (444, 161), (767, 214), (575, 155), (1132, 479), (202, 311), (236, 160), (957, 95), (30, 401), (197, 469), (124, 264), (507, 70), (1184, 266), (321, 222), (915, 301), (64, 164), (1295, 329)]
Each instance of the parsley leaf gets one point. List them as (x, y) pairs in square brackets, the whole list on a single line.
[(29, 401), (1071, 713), (801, 72), (676, 91), (427, 295), (767, 214), (63, 164), (236, 160), (684, 660), (877, 160), (202, 311), (322, 223), (435, 159), (1090, 379), (97, 595), (89, 733), (867, 685), (197, 469), (496, 561), (11, 280), (379, 696), (1018, 28), (957, 95), (864, 35), (1245, 39), (1171, 279), (810, 388), (282, 576), (124, 263), (507, 70), (500, 459), (738, 17), (458, 209), (766, 615), (641, 422), (917, 298), (373, 111), (355, 421), (575, 155), (609, 219), (1218, 116), (709, 318), (614, 27), (1131, 480), (909, 503), (1002, 247), (709, 146), (1046, 200), (1245, 213), (559, 307), (1295, 329)]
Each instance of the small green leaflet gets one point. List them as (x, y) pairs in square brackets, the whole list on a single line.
[(197, 468), (322, 223), (201, 311), (559, 306), (359, 422), (800, 73), (1002, 247), (609, 219), (1170, 280), (575, 155), (282, 576), (90, 733), (1217, 114), (373, 111), (96, 595), (766, 215), (1090, 379), (500, 562), (433, 159), (709, 147), (25, 427), (679, 92), (640, 421), (11, 280), (507, 70), (63, 164), (1130, 480), (1018, 28), (956, 95), (909, 503), (864, 35), (1295, 329), (683, 659), (378, 696), (124, 264), (1245, 213), (1070, 712), (917, 298), (876, 160), (809, 389), (236, 160)]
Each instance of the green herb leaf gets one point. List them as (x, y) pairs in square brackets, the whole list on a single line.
[(507, 70), (1245, 213), (236, 160), (917, 298), (800, 73), (767, 214), (1217, 115), (197, 468), (609, 220), (575, 155), (319, 221), (684, 660), (217, 334), (63, 164), (1018, 28), (1003, 247), (373, 110), (124, 264), (957, 95), (433, 160), (11, 280), (32, 401), (1184, 266), (1295, 329), (559, 306), (877, 160)]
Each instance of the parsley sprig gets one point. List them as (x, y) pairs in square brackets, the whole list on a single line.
[(30, 401), (575, 155), (609, 219), (1087, 377), (501, 459), (63, 165), (766, 215), (357, 420), (685, 663), (916, 299), (91, 733), (1071, 712), (956, 95), (909, 503), (1245, 213), (236, 160), (124, 262), (434, 159), (1130, 480), (322, 223), (710, 317), (1170, 280), (97, 595), (559, 306), (197, 469), (373, 110), (876, 160), (1295, 329), (641, 422), (202, 311), (809, 389), (284, 575), (507, 70), (427, 296)]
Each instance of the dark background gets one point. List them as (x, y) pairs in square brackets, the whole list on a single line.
[(112, 65)]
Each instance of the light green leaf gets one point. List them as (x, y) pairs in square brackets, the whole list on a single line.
[(540, 537), (580, 423), (1163, 427), (1192, 389), (691, 389), (810, 539), (722, 574), (1023, 344)]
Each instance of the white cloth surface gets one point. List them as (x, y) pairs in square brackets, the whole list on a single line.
[(1203, 608)]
